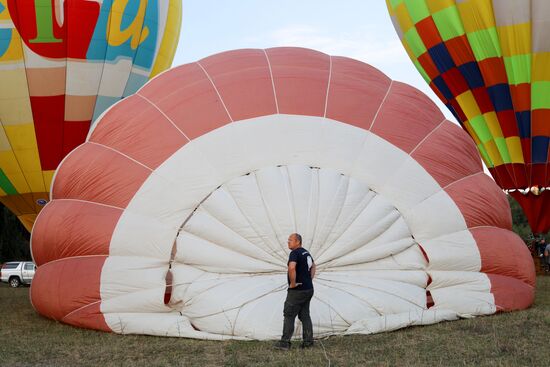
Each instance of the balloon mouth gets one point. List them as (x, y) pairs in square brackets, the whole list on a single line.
[(245, 223), (368, 224), (327, 207)]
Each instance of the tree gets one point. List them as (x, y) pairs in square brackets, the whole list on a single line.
[(520, 225), (14, 238)]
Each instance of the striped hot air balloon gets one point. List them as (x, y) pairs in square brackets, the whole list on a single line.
[(489, 62), (62, 63)]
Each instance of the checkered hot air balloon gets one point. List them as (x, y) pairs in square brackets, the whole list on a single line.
[(489, 62), (62, 63)]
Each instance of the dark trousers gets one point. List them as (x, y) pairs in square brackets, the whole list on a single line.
[(297, 304)]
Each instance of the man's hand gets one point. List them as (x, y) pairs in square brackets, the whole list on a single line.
[(294, 285)]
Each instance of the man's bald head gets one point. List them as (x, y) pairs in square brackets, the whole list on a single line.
[(294, 241)]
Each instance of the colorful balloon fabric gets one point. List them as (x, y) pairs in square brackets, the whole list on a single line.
[(62, 63), (172, 218), (489, 62)]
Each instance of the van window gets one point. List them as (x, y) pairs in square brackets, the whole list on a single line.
[(29, 266), (10, 266)]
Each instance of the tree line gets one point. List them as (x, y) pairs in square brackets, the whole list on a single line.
[(14, 238)]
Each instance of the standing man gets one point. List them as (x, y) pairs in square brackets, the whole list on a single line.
[(301, 270)]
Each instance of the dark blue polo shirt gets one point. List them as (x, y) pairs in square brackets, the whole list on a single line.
[(304, 262)]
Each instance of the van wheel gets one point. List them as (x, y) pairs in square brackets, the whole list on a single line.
[(15, 282)]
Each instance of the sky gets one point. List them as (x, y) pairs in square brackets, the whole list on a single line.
[(360, 29)]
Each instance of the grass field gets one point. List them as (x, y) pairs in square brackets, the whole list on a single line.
[(513, 339)]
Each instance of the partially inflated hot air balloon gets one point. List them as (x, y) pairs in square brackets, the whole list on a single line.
[(172, 218), (62, 63), (489, 62)]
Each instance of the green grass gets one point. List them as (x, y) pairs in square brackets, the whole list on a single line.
[(512, 339)]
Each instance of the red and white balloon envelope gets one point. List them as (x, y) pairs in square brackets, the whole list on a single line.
[(172, 218)]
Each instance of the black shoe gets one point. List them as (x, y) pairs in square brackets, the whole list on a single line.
[(282, 345), (306, 345)]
